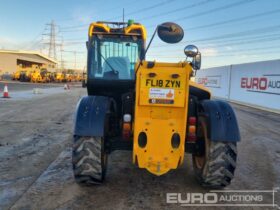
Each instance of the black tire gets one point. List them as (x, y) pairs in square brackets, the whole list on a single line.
[(22, 78), (89, 160), (215, 169)]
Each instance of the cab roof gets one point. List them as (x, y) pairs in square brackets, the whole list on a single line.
[(103, 27)]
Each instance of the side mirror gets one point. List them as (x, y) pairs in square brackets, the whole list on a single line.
[(197, 61), (191, 51), (170, 32)]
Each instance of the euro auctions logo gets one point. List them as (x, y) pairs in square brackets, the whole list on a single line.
[(226, 198), (268, 84), (210, 81)]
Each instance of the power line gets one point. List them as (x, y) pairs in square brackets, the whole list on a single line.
[(77, 39), (75, 56), (108, 10), (238, 34), (178, 9), (218, 56), (243, 33), (74, 43), (77, 26), (127, 14), (242, 41), (81, 27), (75, 30), (224, 39), (144, 9), (249, 41), (231, 51), (79, 52), (257, 15), (255, 53), (228, 6), (237, 19), (33, 43)]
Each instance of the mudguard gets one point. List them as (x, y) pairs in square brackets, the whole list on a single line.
[(221, 121), (90, 116)]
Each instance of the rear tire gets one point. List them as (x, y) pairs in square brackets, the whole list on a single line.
[(89, 160), (215, 169)]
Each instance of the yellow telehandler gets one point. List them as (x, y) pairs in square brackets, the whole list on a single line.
[(40, 76), (16, 74), (151, 108), (59, 77)]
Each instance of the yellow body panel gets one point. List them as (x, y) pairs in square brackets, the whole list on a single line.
[(132, 27), (127, 30), (160, 111), (100, 25)]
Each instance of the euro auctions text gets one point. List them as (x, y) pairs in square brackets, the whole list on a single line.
[(241, 198)]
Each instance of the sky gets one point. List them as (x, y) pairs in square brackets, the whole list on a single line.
[(226, 31)]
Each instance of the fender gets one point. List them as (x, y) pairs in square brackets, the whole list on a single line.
[(199, 91), (221, 121), (90, 116)]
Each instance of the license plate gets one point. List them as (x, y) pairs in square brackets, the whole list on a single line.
[(162, 83)]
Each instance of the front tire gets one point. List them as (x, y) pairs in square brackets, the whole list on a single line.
[(214, 169), (89, 160)]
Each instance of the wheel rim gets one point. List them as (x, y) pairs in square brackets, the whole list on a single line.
[(199, 161)]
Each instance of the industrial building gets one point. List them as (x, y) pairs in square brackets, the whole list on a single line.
[(11, 59)]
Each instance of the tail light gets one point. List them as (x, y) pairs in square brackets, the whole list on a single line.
[(192, 120), (192, 129), (126, 129)]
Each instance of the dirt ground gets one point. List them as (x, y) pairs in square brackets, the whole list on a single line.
[(36, 171)]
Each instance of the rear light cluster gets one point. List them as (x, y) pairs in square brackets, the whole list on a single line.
[(126, 130), (192, 129)]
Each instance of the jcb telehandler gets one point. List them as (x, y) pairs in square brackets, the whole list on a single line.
[(151, 108)]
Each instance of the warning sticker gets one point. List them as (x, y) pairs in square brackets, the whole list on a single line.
[(161, 93)]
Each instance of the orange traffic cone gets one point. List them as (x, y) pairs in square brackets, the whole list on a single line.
[(6, 93)]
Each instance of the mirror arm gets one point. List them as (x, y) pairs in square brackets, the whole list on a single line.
[(146, 49)]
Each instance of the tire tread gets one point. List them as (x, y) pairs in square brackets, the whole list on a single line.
[(220, 165), (87, 157)]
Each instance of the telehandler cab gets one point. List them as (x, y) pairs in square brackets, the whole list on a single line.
[(151, 108)]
